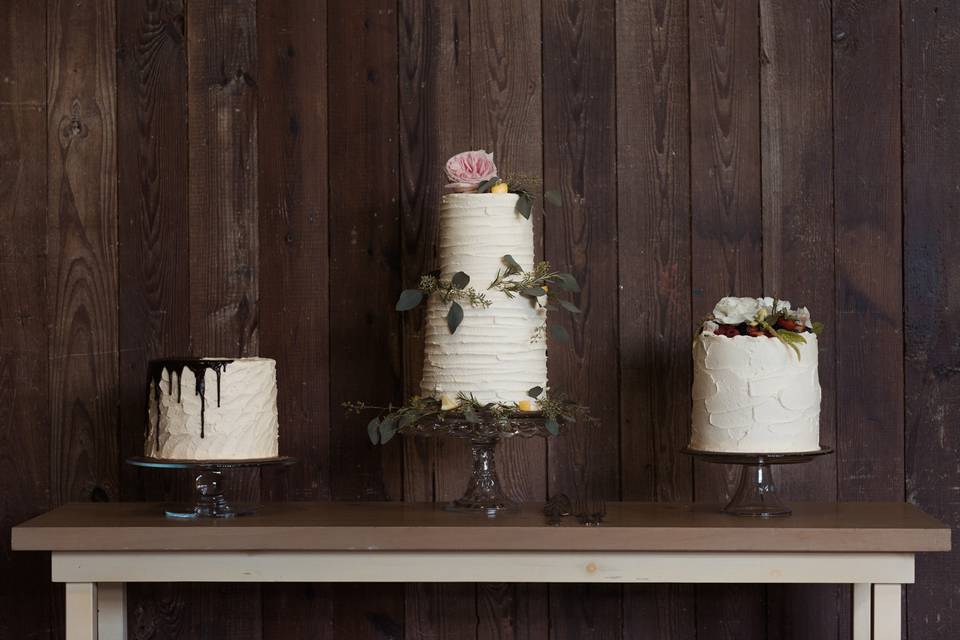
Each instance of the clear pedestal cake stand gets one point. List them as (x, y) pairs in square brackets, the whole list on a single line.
[(210, 501), (756, 494), (484, 494)]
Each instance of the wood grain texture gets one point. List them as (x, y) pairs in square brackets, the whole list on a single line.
[(579, 141), (224, 232), (154, 279), (293, 269), (867, 194), (653, 204), (365, 333), (24, 408), (798, 249), (435, 123), (725, 192), (506, 112), (82, 246), (931, 209)]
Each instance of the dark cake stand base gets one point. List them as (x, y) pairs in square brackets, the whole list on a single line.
[(756, 494), (210, 499)]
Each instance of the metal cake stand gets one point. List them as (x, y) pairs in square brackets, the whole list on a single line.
[(484, 494), (756, 494), (210, 501)]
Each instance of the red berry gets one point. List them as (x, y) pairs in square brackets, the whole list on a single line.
[(789, 325)]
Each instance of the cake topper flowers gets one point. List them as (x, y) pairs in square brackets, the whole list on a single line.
[(761, 317), (475, 172)]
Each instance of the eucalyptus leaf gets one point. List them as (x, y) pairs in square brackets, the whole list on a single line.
[(512, 265), (567, 281), (553, 197), (559, 333), (533, 292), (373, 430), (454, 317), (486, 185), (534, 392), (552, 426), (524, 204), (569, 306), (388, 428), (408, 418), (460, 280), (409, 299), (818, 328), (471, 415)]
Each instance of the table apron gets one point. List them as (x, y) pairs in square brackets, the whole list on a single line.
[(481, 566)]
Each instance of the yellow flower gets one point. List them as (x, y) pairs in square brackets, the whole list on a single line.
[(546, 289), (526, 405), (448, 402), (500, 187)]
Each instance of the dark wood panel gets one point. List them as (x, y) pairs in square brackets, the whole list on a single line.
[(579, 144), (725, 194), (25, 592), (869, 335), (154, 303), (365, 334), (435, 123), (797, 149), (506, 114), (293, 268), (223, 231), (931, 210), (653, 195), (82, 243)]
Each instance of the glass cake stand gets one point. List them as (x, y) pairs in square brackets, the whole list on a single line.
[(756, 493), (210, 501), (484, 494)]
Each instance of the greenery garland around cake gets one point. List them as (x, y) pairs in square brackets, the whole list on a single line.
[(761, 317), (542, 287), (390, 420)]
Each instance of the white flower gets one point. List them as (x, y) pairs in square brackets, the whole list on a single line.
[(765, 303), (448, 402), (710, 326), (803, 315), (731, 310), (782, 305)]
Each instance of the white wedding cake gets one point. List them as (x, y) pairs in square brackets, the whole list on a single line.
[(499, 351), (212, 409), (755, 382)]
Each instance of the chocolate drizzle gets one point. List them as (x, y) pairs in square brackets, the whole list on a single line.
[(176, 366)]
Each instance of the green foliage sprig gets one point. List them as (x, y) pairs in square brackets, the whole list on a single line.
[(524, 187), (513, 281), (453, 291)]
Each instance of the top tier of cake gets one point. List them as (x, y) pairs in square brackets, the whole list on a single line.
[(212, 409), (497, 354)]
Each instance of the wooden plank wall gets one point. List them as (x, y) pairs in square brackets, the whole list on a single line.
[(242, 177)]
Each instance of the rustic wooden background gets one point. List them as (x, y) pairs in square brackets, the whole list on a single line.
[(243, 177)]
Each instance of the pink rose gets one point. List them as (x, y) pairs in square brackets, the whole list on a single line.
[(467, 170)]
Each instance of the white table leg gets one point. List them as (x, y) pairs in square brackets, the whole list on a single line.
[(886, 612), (81, 604), (861, 611), (112, 606)]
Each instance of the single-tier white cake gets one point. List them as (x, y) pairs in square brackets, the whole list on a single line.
[(212, 409), (497, 354), (755, 382)]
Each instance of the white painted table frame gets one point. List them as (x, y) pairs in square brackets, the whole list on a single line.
[(96, 581)]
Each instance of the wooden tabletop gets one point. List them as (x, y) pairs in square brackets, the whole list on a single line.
[(397, 526)]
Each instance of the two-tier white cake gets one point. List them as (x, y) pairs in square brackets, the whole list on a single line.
[(755, 382), (212, 409), (497, 354)]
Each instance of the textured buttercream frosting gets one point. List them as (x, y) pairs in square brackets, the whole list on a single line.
[(235, 419), (754, 395), (495, 353)]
